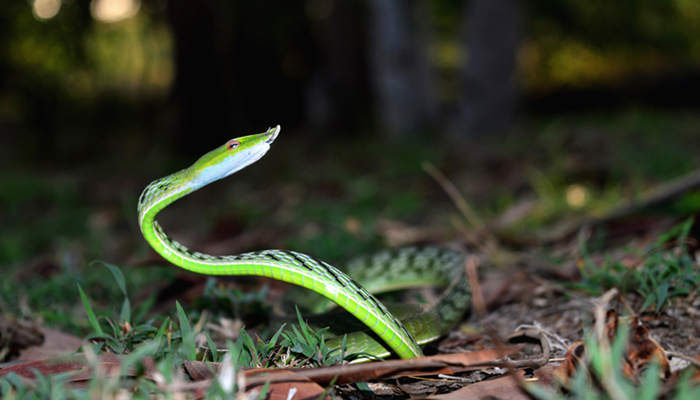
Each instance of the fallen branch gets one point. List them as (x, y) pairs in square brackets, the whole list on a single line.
[(656, 196)]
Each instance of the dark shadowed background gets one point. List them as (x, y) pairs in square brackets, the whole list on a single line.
[(84, 78)]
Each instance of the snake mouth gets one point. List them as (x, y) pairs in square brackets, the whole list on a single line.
[(273, 132)]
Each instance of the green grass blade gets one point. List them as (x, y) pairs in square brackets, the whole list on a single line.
[(262, 395), (304, 327), (141, 310), (92, 319), (188, 345), (116, 272), (125, 314), (247, 353), (161, 330), (273, 340), (212, 348), (343, 347), (661, 294), (146, 349), (5, 387), (651, 383)]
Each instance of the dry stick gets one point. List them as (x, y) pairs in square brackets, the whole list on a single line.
[(471, 265), (454, 194), (514, 365), (325, 375), (484, 240), (656, 196), (538, 334), (601, 306)]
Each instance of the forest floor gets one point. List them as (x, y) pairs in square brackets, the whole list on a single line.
[(573, 226)]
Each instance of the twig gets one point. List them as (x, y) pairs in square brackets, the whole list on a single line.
[(483, 238), (656, 196), (600, 312), (539, 334), (454, 194), (471, 265), (608, 381), (561, 344)]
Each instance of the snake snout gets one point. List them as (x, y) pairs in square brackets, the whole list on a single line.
[(273, 132)]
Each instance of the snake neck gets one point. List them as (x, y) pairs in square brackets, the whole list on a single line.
[(154, 198), (162, 192)]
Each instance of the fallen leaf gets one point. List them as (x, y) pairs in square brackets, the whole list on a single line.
[(505, 387), (78, 364), (200, 370), (17, 335), (572, 362), (641, 351), (302, 387), (46, 367), (55, 343), (284, 384)]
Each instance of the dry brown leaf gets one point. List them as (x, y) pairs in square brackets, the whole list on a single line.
[(47, 367), (17, 335), (200, 370), (303, 387), (641, 351), (505, 387), (572, 362), (283, 384), (55, 343), (78, 364), (499, 291)]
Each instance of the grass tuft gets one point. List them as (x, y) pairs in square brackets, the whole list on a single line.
[(667, 270)]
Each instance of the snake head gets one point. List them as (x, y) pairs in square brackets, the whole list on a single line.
[(233, 156)]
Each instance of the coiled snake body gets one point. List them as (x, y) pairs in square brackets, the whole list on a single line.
[(388, 270)]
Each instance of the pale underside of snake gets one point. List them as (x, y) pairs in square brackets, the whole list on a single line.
[(388, 270)]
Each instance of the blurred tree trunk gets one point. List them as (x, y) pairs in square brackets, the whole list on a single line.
[(488, 85), (401, 73), (338, 89)]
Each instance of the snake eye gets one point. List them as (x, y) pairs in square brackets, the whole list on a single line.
[(233, 144)]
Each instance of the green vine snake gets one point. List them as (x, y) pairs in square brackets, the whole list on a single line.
[(388, 270)]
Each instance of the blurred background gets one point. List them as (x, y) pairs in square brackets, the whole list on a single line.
[(536, 110), (194, 74)]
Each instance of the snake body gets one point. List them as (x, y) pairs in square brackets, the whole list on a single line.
[(388, 270)]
